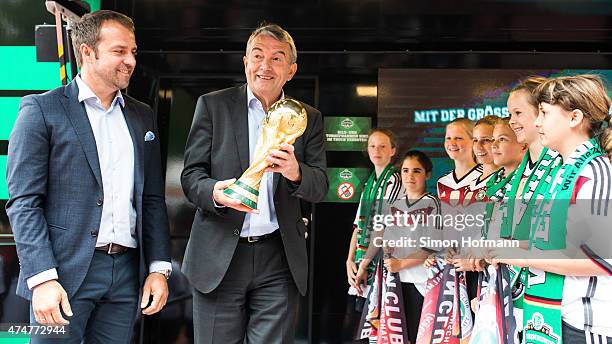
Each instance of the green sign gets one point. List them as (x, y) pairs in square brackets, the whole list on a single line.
[(8, 338), (3, 189), (24, 73), (9, 106), (345, 184), (347, 133)]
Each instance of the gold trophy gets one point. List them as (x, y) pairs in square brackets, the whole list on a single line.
[(284, 123)]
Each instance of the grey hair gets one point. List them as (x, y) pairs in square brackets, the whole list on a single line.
[(277, 33)]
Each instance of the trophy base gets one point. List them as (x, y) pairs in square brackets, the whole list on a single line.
[(244, 193)]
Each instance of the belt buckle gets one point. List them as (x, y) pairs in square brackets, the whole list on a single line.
[(251, 240), (110, 248)]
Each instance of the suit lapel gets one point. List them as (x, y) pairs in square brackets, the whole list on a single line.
[(136, 132), (275, 182), (80, 122), (240, 117)]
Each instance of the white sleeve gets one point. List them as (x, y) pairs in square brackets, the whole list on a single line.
[(589, 218), (160, 266), (42, 277)]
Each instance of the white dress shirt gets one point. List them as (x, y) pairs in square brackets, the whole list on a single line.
[(116, 157)]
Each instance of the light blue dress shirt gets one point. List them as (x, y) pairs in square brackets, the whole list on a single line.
[(116, 157), (265, 222)]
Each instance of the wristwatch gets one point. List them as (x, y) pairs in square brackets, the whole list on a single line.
[(166, 273)]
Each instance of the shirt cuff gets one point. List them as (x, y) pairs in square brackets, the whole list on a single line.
[(42, 277), (159, 266), (217, 204)]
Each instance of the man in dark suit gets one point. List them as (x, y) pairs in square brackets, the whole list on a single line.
[(86, 192), (247, 266)]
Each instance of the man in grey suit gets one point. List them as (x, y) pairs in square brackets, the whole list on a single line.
[(86, 192), (246, 266)]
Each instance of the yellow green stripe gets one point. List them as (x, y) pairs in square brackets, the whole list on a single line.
[(247, 202), (246, 187)]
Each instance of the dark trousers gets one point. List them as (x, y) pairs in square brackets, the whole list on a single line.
[(105, 306), (352, 318), (573, 335), (413, 304), (256, 302)]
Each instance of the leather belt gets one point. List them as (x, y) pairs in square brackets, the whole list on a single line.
[(112, 248), (259, 238)]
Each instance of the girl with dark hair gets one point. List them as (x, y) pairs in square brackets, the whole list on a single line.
[(419, 211)]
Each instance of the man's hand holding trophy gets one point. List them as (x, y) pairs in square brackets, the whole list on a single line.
[(283, 124)]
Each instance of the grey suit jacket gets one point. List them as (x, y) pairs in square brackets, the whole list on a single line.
[(217, 149), (56, 191)]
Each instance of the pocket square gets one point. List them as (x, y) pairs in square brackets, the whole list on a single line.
[(149, 136)]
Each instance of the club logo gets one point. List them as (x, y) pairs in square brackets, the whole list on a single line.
[(347, 123), (346, 174)]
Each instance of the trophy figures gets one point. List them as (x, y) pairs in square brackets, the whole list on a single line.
[(284, 123)]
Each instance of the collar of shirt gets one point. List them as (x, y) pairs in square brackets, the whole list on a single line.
[(85, 93), (253, 102)]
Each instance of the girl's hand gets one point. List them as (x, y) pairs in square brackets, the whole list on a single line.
[(430, 261), (361, 279), (394, 264), (351, 273)]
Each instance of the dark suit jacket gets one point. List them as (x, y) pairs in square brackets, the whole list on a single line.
[(218, 149), (55, 187)]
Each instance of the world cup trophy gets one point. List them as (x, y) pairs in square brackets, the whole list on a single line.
[(284, 123)]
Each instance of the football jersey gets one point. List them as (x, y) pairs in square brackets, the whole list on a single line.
[(460, 197), (391, 190), (587, 301), (459, 193), (479, 186), (420, 219)]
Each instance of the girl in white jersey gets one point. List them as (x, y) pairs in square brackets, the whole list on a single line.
[(383, 183), (457, 190), (573, 120), (506, 153), (535, 166), (421, 217), (515, 195), (481, 144)]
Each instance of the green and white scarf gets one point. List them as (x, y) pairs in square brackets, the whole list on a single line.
[(552, 210), (507, 206), (503, 189), (497, 188), (534, 186), (498, 185), (371, 203), (542, 304)]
